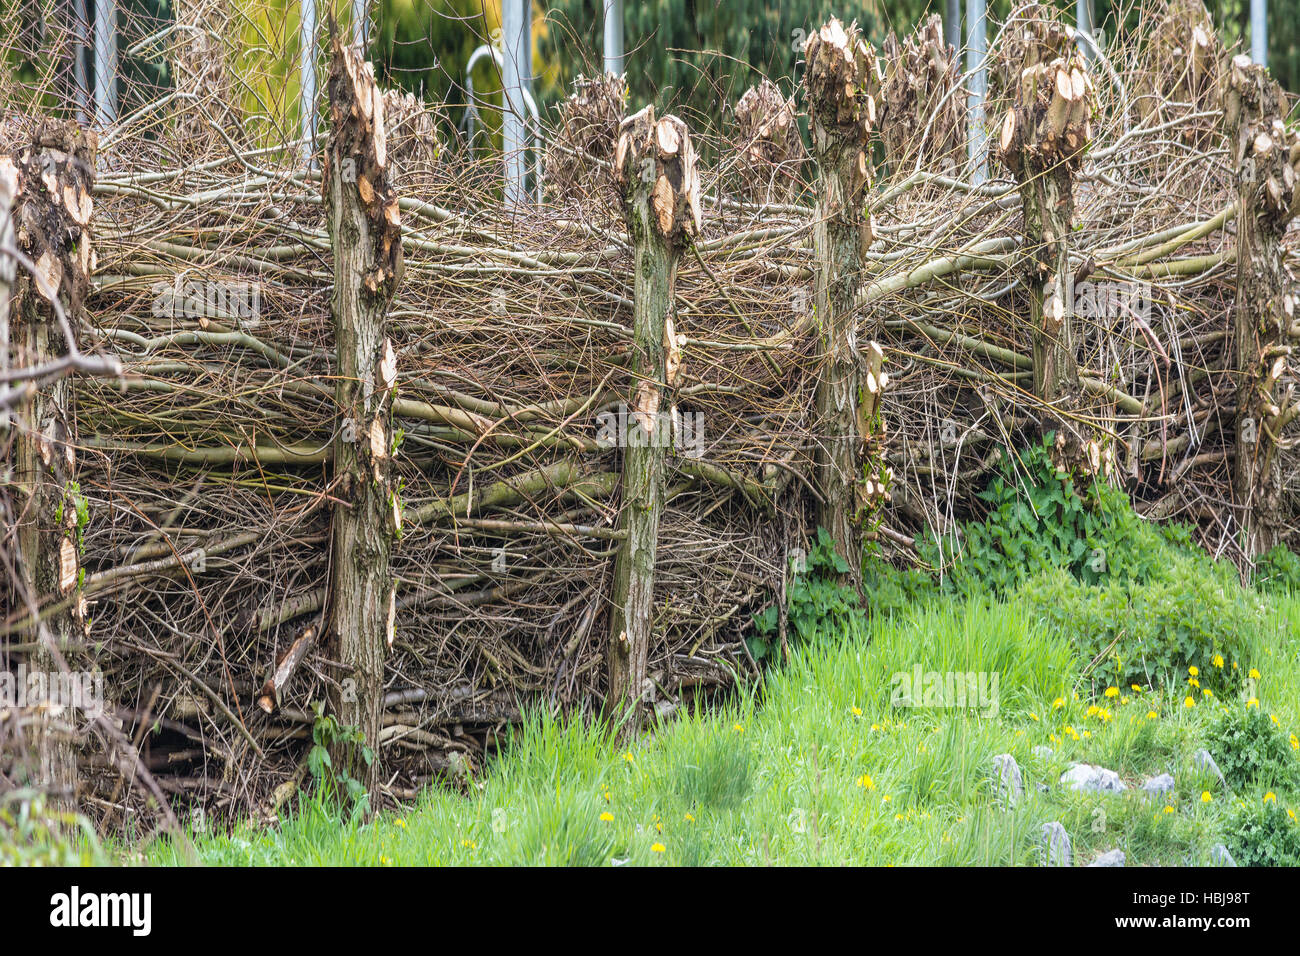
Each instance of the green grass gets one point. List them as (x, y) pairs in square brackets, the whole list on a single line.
[(817, 767)]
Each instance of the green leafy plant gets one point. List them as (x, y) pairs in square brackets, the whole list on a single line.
[(1252, 750), (817, 601), (1278, 570), (335, 785), (1262, 834), (32, 833), (1041, 519)]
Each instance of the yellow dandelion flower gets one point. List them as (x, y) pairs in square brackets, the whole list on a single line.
[(1092, 709), (1033, 716), (400, 822), (1058, 703), (1276, 722), (1207, 692), (469, 844), (1112, 691), (738, 728), (689, 818), (657, 848), (628, 756), (856, 711), (866, 783), (607, 817), (1152, 715), (1295, 742), (1270, 797), (886, 798), (1252, 701), (1087, 733), (1189, 702), (1290, 813), (1218, 660), (1193, 671), (1206, 796), (1169, 809), (1136, 688), (898, 817), (1194, 682), (1253, 674)]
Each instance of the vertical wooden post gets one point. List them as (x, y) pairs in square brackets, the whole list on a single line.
[(841, 113), (366, 239), (654, 166), (1042, 143), (51, 215), (1254, 109)]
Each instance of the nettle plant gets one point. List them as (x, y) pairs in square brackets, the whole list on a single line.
[(1262, 834), (818, 603), (335, 785), (1138, 599)]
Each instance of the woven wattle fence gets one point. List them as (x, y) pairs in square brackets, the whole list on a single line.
[(855, 317)]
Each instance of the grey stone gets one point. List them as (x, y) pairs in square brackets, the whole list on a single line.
[(1057, 843), (1202, 760), (1011, 785), (1087, 777), (1112, 858), (1219, 856), (1157, 786)]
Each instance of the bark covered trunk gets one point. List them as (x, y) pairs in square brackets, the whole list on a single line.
[(1043, 139), (51, 216), (655, 170), (841, 113), (1254, 107), (365, 235)]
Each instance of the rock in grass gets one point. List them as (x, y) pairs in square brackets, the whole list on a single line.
[(1057, 843), (1202, 760), (1158, 786), (1113, 858), (1084, 776), (1011, 786), (1219, 856)]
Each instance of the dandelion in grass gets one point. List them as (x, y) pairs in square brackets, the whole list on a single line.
[(1194, 671), (898, 818), (1194, 682), (866, 783), (607, 817), (1206, 796), (738, 728), (1252, 702), (689, 818), (628, 757), (1092, 710), (856, 711), (1112, 692), (1137, 689), (1123, 700), (1270, 797), (1290, 813), (1033, 716), (886, 799), (1276, 722), (400, 822), (1295, 742), (1207, 692), (1087, 733), (469, 844), (1189, 702), (1152, 715), (1218, 661), (657, 848), (1169, 809), (1253, 674), (1058, 703)]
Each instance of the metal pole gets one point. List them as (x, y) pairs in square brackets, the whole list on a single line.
[(307, 76), (361, 25), (1085, 22), (105, 42), (952, 23), (976, 44), (1259, 31), (81, 61), (614, 37), (516, 73)]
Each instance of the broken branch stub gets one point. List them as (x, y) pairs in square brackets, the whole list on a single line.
[(771, 150)]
